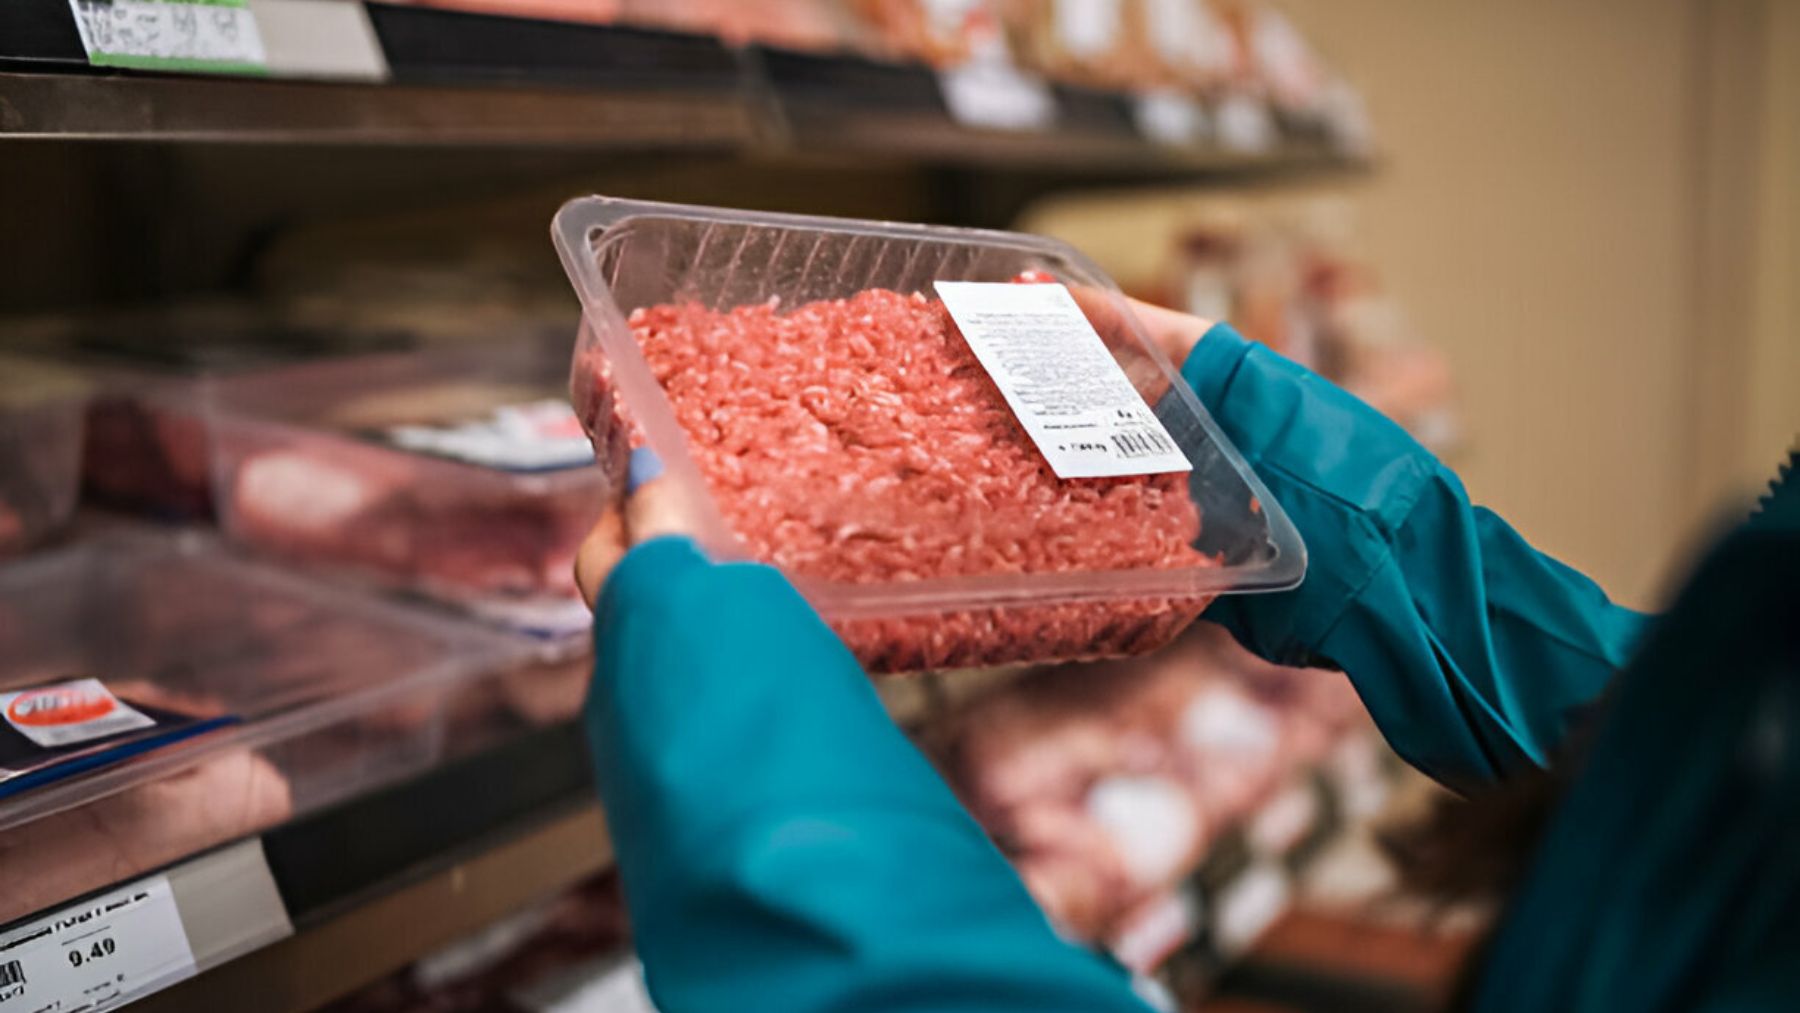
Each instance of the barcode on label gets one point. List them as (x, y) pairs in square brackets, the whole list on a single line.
[(12, 973), (1142, 443)]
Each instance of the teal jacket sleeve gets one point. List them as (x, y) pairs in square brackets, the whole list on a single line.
[(782, 845), (1473, 652)]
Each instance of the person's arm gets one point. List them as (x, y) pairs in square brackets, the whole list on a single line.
[(782, 845), (1472, 651)]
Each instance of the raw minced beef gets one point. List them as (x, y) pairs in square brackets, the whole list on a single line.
[(860, 440)]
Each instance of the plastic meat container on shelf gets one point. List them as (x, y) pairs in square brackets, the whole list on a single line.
[(147, 446), (800, 380), (40, 450), (1107, 786), (271, 696), (458, 473)]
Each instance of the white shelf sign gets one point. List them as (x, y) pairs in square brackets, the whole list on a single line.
[(995, 95), (97, 954), (217, 36), (1171, 118)]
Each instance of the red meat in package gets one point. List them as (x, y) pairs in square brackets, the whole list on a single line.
[(861, 441)]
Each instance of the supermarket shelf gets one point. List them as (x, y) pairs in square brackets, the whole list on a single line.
[(350, 949), (330, 901), (153, 108), (431, 77), (317, 908), (144, 107)]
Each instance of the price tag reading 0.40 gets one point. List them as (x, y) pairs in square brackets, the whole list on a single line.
[(96, 954)]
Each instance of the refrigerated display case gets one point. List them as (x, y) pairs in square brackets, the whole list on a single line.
[(187, 698), (41, 417), (459, 474), (1112, 786)]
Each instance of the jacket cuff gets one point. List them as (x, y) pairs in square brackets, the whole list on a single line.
[(647, 566), (1213, 364)]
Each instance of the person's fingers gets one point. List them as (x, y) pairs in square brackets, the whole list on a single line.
[(599, 553), (1176, 333), (658, 508), (656, 505), (653, 506)]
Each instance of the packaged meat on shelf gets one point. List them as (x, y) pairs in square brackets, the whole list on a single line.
[(590, 11), (161, 696), (789, 24), (41, 413), (147, 447), (569, 954), (1286, 271), (804, 384), (1096, 43), (1195, 45), (1108, 786), (459, 473)]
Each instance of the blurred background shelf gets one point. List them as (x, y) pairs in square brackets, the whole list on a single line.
[(165, 108)]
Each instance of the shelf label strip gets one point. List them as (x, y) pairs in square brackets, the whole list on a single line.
[(98, 954), (208, 36)]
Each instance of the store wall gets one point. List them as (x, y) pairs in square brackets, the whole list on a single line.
[(1534, 211)]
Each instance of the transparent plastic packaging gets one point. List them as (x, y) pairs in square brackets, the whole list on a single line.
[(313, 463), (147, 446), (41, 411), (1109, 785), (627, 256), (326, 694)]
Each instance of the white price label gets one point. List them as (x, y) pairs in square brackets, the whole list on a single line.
[(995, 95), (1060, 380), (544, 617), (1245, 124), (201, 35), (600, 986), (1088, 28), (1169, 117), (98, 954), (69, 713), (539, 436)]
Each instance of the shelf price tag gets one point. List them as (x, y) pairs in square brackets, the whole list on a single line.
[(212, 36), (1244, 124), (1172, 118), (987, 90), (97, 954), (994, 95)]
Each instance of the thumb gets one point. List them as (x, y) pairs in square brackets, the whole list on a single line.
[(654, 504), (599, 553)]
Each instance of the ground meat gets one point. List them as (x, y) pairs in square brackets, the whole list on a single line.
[(861, 441)]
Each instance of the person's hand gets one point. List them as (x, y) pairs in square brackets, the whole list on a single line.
[(1174, 332), (653, 506)]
